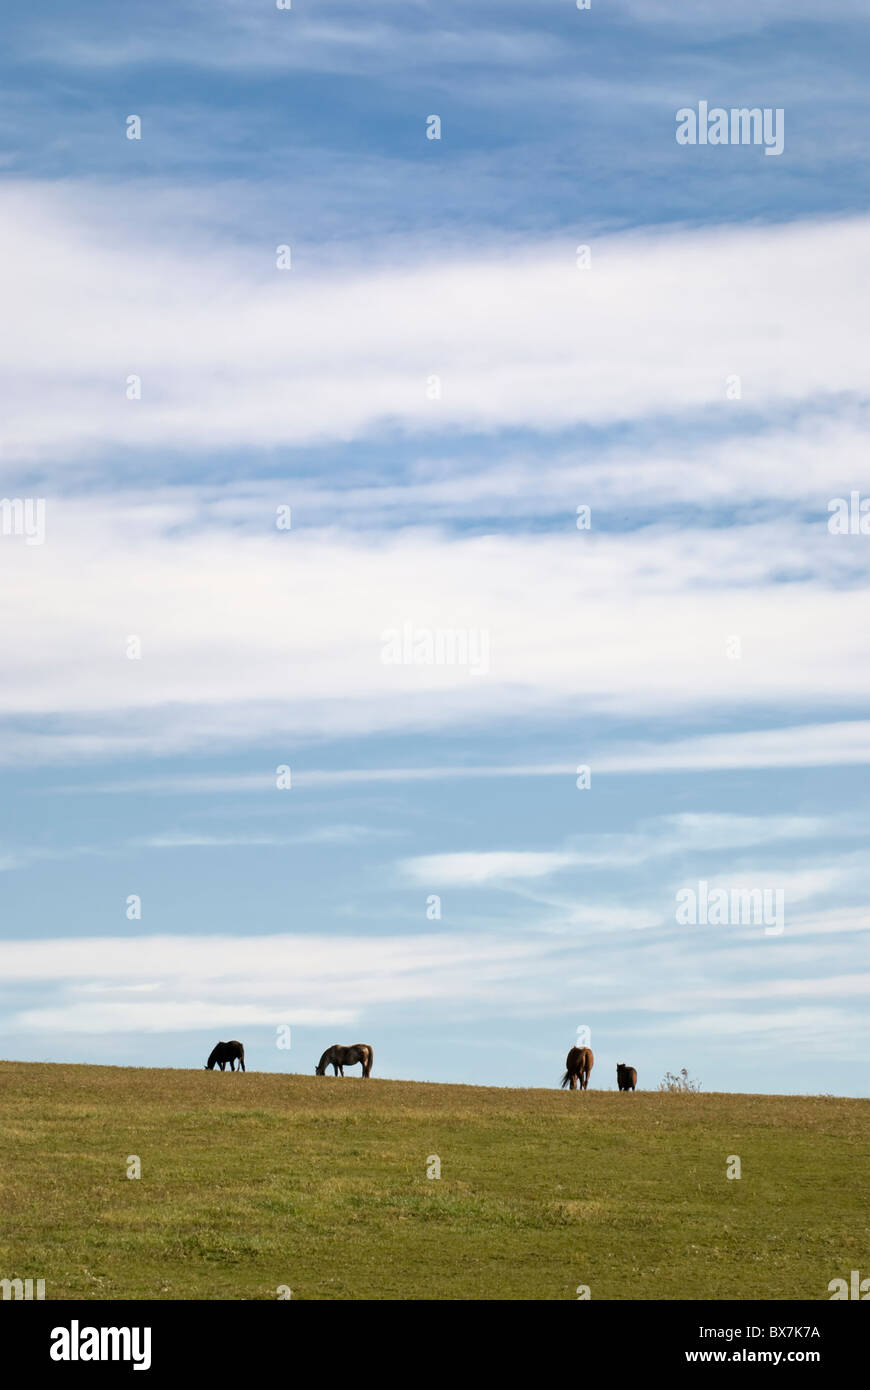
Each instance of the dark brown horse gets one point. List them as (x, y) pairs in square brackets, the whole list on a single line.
[(578, 1065), (626, 1077), (226, 1052), (340, 1057)]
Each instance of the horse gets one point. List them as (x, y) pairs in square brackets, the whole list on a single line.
[(578, 1065), (626, 1077), (226, 1052), (340, 1057)]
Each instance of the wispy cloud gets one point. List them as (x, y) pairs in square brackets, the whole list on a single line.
[(316, 835), (233, 352), (844, 744), (260, 980), (574, 623), (480, 868), (663, 837)]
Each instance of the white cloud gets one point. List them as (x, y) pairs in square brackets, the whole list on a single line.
[(184, 983), (154, 1016), (265, 636), (233, 352), (188, 982), (805, 745), (249, 634), (797, 885), (798, 1027), (831, 921), (812, 986), (481, 868), (783, 470), (317, 835), (663, 836), (844, 743)]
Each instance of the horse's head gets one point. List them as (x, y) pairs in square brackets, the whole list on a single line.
[(319, 1070)]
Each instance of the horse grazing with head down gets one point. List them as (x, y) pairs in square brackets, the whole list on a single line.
[(340, 1057), (578, 1065), (626, 1077), (226, 1052)]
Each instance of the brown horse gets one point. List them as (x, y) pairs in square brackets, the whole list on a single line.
[(578, 1064), (340, 1057), (626, 1077)]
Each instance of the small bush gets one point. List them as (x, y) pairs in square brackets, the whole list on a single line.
[(682, 1083)]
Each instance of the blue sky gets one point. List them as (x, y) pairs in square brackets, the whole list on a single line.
[(701, 647)]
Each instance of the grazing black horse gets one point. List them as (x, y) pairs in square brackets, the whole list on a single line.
[(226, 1052)]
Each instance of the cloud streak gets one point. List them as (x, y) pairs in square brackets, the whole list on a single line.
[(232, 352)]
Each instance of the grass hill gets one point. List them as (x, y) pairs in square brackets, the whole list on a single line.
[(250, 1182)]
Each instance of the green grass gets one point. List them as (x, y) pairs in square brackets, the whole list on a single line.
[(257, 1180)]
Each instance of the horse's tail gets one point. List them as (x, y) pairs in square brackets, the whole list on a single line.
[(566, 1080), (241, 1057), (371, 1061)]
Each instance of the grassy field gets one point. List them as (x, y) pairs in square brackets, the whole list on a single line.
[(249, 1182)]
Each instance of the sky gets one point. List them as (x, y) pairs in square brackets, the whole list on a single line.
[(420, 554)]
